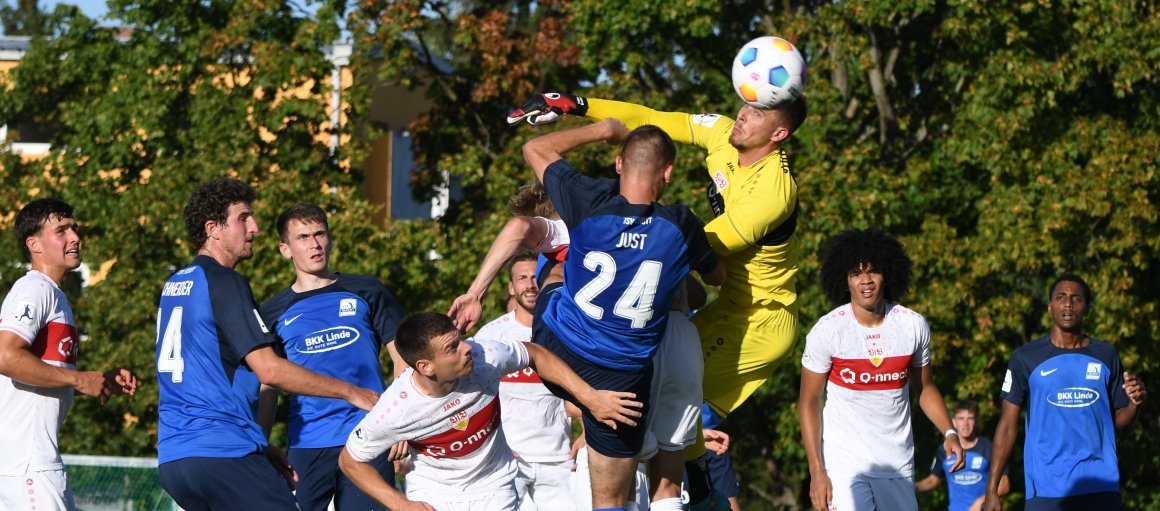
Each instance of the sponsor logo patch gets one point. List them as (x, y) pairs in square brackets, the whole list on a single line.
[(706, 120), (1093, 371), (347, 307), (1007, 382), (1074, 397), (28, 314)]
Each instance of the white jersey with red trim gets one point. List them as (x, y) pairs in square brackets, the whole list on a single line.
[(866, 418), (457, 440), (37, 311), (534, 421)]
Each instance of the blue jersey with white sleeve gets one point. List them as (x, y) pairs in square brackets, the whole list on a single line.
[(623, 266), (206, 325), (337, 331), (1070, 396)]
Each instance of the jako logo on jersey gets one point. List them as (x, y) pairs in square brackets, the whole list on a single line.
[(447, 407), (1074, 397), (347, 307), (1093, 372), (329, 339)]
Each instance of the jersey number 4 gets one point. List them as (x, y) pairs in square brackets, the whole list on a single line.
[(169, 354), (636, 304)]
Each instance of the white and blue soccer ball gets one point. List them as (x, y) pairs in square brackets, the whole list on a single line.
[(769, 72)]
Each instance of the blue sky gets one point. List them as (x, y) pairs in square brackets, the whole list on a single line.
[(91, 8)]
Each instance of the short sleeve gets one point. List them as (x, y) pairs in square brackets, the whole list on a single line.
[(936, 466), (556, 237), (507, 356), (26, 309), (922, 353), (236, 315), (818, 356), (386, 312), (1015, 388), (374, 434), (702, 258), (574, 194), (1116, 382)]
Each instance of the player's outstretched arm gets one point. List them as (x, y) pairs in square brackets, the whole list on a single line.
[(935, 409), (1134, 387), (367, 479), (607, 406), (1000, 452), (519, 231), (547, 149), (290, 377), (810, 417), (18, 362)]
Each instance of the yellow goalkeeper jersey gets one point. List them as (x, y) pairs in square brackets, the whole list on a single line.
[(756, 206)]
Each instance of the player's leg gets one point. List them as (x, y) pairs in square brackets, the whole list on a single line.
[(677, 367), (893, 493), (348, 497), (525, 478), (317, 477), (42, 491), (249, 482), (851, 493), (612, 478), (551, 489)]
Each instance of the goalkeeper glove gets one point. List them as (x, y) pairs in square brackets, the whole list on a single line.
[(548, 107)]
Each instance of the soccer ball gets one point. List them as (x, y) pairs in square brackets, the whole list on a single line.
[(768, 72)]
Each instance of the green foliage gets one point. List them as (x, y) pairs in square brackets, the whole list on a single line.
[(1004, 143)]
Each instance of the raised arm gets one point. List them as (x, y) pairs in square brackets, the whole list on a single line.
[(547, 149), (1134, 387), (519, 231)]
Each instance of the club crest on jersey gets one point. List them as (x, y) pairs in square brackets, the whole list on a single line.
[(1093, 371), (347, 307), (706, 120), (459, 420)]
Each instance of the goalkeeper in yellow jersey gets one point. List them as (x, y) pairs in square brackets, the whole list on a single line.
[(752, 325)]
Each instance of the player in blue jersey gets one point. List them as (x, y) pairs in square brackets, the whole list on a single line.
[(212, 352), (1076, 393), (333, 324), (627, 256), (966, 487)]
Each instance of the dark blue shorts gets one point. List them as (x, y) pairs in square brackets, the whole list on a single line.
[(1107, 501), (622, 442), (204, 484), (722, 474), (320, 480)]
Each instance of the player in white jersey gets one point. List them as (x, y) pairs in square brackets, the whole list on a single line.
[(859, 445), (535, 422), (38, 357), (446, 406)]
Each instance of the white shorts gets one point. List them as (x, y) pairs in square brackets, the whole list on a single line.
[(582, 484), (861, 493), (450, 501), (544, 486), (678, 366), (42, 491)]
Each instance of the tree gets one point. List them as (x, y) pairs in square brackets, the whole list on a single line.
[(25, 18), (1002, 143)]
